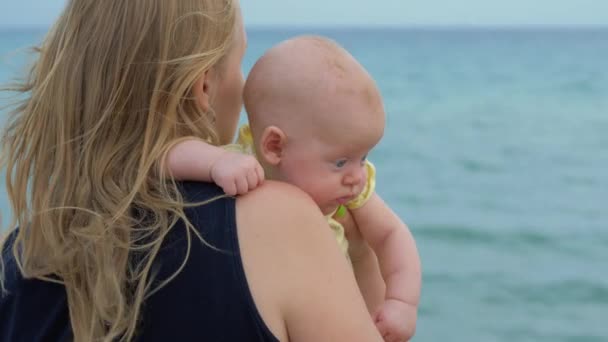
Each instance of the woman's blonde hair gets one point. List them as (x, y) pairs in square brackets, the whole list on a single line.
[(108, 95)]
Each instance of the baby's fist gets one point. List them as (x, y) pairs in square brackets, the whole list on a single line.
[(236, 173), (396, 320)]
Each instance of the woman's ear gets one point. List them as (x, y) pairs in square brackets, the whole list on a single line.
[(202, 90), (272, 145)]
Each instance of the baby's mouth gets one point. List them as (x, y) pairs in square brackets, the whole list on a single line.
[(344, 199)]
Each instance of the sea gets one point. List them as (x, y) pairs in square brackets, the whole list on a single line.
[(495, 154)]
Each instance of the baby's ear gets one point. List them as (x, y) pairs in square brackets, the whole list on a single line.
[(272, 144)]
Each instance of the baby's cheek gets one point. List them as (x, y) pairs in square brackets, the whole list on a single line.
[(317, 196), (308, 187)]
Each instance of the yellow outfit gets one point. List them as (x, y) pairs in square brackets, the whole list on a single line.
[(244, 144)]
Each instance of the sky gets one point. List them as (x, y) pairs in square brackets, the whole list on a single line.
[(41, 13)]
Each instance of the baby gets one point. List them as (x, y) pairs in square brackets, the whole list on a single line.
[(314, 115)]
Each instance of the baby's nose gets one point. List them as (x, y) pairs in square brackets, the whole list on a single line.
[(356, 177)]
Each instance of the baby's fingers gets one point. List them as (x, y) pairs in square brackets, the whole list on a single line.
[(390, 337), (383, 328), (241, 185), (388, 333), (229, 188), (252, 179), (260, 173), (393, 338)]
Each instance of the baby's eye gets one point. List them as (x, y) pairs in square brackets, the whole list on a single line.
[(363, 159), (341, 163)]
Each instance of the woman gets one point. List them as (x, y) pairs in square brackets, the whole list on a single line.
[(109, 247)]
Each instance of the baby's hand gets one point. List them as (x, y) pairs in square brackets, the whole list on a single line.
[(236, 173), (396, 320)]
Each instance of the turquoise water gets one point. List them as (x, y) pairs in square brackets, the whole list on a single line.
[(496, 155)]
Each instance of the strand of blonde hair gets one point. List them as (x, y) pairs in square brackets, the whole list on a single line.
[(106, 98)]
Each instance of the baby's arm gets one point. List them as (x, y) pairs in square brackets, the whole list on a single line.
[(194, 159), (365, 264), (396, 250)]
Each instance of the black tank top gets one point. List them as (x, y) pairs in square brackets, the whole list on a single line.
[(209, 300)]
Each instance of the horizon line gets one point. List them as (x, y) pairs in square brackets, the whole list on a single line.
[(455, 26)]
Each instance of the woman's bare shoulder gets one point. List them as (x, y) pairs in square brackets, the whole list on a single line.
[(299, 279), (273, 195), (282, 213)]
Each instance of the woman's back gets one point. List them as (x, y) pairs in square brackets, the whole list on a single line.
[(209, 299)]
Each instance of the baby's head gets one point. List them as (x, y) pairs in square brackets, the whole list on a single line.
[(315, 113)]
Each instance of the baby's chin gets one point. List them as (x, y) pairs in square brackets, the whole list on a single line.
[(328, 209)]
